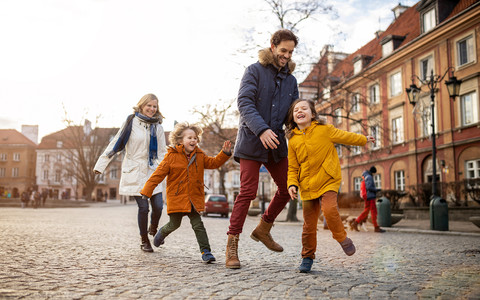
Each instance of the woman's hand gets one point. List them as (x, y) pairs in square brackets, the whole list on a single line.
[(293, 192), (227, 147)]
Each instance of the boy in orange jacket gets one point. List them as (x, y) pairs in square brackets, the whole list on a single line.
[(184, 165)]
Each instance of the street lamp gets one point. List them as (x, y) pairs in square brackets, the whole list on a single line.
[(413, 92)]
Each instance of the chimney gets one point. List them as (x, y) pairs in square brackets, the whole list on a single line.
[(398, 10), (31, 132)]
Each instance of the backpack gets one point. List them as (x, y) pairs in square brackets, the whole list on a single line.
[(363, 190)]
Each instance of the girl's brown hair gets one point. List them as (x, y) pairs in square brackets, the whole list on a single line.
[(175, 137), (143, 101), (290, 123)]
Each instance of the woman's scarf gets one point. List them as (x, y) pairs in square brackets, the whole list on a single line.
[(125, 135)]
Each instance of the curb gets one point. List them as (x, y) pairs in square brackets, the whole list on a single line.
[(423, 231)]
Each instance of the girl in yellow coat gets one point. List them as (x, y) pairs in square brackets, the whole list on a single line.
[(314, 168)]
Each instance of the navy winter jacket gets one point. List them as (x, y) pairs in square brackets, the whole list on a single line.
[(370, 185), (264, 98)]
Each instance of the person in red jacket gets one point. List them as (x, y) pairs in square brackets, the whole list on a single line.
[(184, 164)]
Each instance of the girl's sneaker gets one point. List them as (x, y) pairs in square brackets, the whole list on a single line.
[(348, 246), (207, 256), (306, 265)]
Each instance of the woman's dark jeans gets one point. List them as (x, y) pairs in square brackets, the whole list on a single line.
[(157, 206)]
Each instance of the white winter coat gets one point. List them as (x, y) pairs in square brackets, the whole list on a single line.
[(135, 167)]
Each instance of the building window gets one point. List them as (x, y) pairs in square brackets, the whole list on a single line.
[(465, 51), (47, 158), (377, 179), (374, 94), (337, 116), (469, 108), (339, 150), (397, 130), (387, 48), (59, 144), (59, 157), (429, 20), (236, 179), (16, 156), (113, 173), (355, 103), (426, 67), (14, 172), (472, 168), (2, 172), (357, 66), (356, 149), (3, 156), (399, 177), (45, 174), (58, 175), (356, 183), (375, 132), (396, 84)]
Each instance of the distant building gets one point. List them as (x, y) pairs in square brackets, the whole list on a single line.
[(31, 132), (364, 92), (17, 163)]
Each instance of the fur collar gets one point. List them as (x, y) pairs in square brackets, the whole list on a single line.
[(265, 57)]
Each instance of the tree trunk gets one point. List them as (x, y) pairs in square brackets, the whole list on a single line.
[(292, 211)]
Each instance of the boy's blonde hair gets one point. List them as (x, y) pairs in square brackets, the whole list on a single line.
[(176, 136)]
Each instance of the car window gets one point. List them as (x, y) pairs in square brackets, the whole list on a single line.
[(217, 199)]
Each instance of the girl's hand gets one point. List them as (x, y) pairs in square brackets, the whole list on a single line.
[(293, 192), (370, 139), (227, 147)]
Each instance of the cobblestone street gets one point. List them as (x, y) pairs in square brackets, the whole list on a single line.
[(94, 252)]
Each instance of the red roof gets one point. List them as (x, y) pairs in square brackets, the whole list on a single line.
[(11, 136)]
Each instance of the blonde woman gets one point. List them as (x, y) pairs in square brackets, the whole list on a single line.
[(143, 139)]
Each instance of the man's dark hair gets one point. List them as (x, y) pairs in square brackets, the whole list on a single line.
[(283, 35), (373, 170)]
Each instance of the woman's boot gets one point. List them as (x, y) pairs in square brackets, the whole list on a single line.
[(145, 246)]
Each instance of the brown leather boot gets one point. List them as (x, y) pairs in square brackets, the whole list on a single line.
[(262, 234), (231, 255)]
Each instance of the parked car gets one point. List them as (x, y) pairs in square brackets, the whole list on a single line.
[(216, 204)]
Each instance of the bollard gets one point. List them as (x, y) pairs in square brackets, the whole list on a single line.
[(438, 214), (384, 216)]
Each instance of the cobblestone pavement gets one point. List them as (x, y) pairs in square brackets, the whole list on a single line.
[(92, 253)]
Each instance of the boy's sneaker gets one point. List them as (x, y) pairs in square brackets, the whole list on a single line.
[(159, 239), (348, 246), (207, 256), (306, 265)]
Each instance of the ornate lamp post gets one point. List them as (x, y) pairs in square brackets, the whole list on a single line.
[(413, 92)]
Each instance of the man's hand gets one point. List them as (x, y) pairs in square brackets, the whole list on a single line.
[(293, 192), (269, 139)]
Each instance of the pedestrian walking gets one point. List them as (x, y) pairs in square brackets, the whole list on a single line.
[(35, 197), (314, 171), (266, 91), (24, 199), (370, 202), (184, 165), (143, 139)]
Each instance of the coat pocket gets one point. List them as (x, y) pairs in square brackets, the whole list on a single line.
[(331, 167)]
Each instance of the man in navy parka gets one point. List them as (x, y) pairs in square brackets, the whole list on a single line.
[(267, 90)]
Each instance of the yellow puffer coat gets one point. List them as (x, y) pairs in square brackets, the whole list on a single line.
[(313, 164)]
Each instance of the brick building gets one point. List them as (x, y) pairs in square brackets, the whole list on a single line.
[(17, 163), (364, 92)]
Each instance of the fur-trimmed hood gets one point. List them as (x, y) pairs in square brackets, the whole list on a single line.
[(265, 57)]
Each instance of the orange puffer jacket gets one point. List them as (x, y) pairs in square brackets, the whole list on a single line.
[(184, 178)]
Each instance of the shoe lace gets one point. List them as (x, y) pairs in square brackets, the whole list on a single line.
[(233, 246)]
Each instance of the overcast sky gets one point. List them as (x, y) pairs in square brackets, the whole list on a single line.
[(99, 57)]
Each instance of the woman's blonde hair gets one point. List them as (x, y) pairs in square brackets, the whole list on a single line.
[(290, 123), (143, 101), (176, 136)]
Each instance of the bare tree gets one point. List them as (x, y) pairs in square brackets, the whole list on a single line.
[(82, 147), (218, 123)]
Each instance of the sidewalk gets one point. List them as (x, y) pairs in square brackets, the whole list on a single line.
[(405, 225)]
